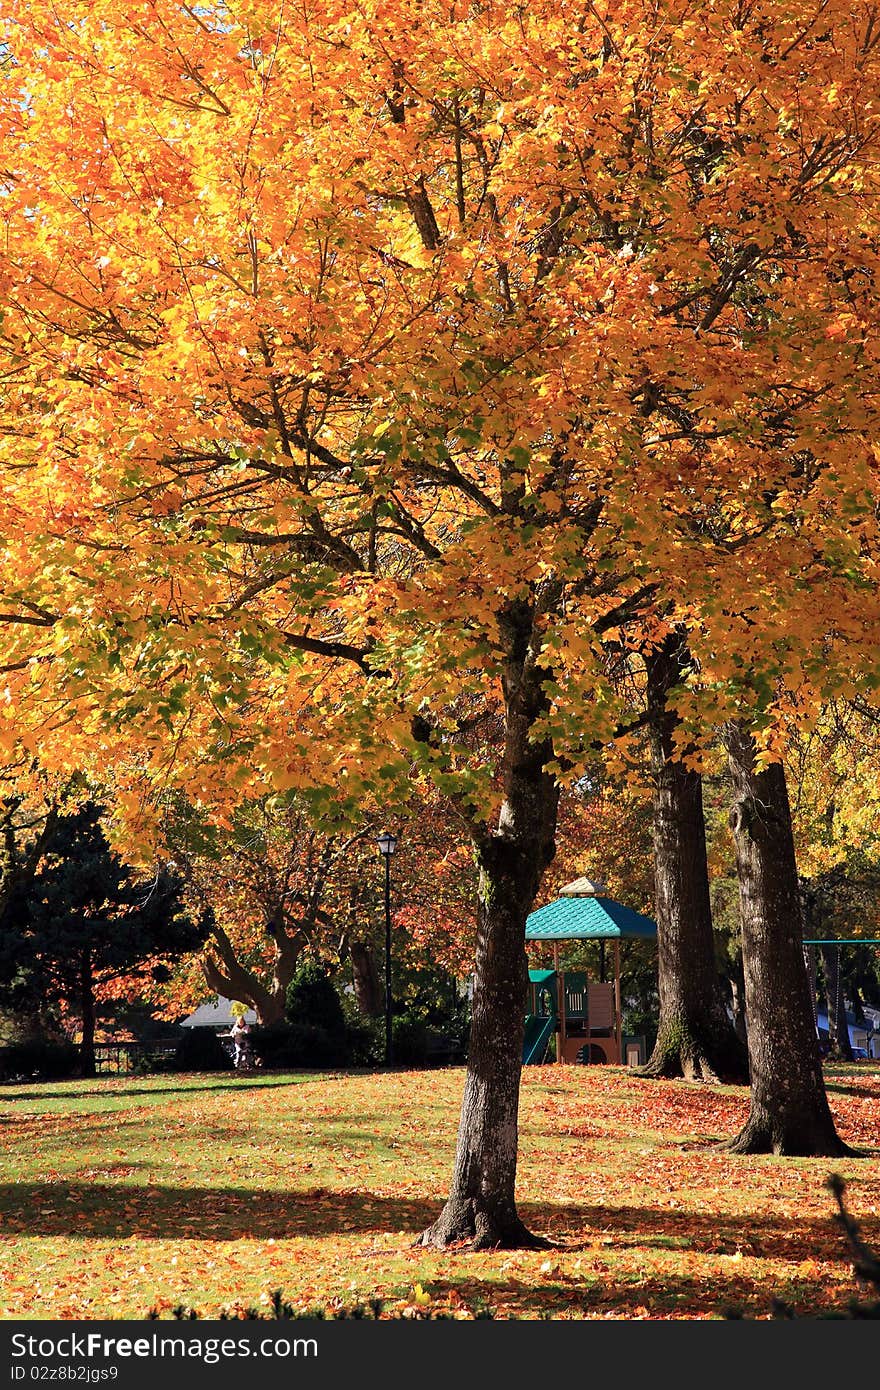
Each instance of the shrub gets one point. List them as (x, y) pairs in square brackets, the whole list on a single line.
[(41, 1059), (365, 1039), (312, 1000), (200, 1050), (409, 1036), (299, 1045), (431, 994)]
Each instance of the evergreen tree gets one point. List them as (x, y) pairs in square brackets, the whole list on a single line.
[(85, 918)]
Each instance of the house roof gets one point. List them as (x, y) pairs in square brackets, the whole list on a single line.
[(851, 1022), (588, 919), (216, 1013)]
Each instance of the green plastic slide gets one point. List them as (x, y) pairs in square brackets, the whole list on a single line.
[(537, 1036)]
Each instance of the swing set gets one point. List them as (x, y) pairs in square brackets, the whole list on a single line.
[(871, 1048)]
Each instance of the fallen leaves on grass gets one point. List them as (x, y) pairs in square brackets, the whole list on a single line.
[(112, 1203)]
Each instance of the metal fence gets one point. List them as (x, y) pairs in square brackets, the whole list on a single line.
[(119, 1058)]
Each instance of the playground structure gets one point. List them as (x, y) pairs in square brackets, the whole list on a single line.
[(585, 1016)]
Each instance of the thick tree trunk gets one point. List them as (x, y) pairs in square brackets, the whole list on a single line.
[(695, 1037), (234, 982), (481, 1206), (366, 979), (789, 1108), (87, 1010), (289, 946), (838, 1028), (224, 972)]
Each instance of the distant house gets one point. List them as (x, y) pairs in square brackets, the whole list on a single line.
[(861, 1035), (217, 1016), (873, 1017)]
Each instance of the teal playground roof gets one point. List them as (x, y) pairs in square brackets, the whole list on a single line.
[(588, 919)]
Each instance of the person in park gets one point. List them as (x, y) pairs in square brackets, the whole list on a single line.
[(240, 1036)]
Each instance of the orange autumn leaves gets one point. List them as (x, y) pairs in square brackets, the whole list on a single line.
[(325, 334)]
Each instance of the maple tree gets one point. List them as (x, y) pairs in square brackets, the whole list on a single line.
[(789, 1109), (278, 886), (274, 887), (366, 366), (831, 768), (834, 792)]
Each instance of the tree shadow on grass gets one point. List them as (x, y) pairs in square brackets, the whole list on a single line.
[(85, 1211), (663, 1295), (249, 1083), (714, 1233), (840, 1088), (99, 1210)]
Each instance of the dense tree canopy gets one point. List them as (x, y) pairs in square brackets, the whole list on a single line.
[(325, 332)]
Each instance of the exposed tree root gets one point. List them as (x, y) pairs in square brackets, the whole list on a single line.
[(797, 1141), (696, 1059), (468, 1220)]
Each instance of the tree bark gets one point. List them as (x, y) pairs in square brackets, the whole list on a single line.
[(233, 981), (224, 972), (87, 1010), (789, 1109), (838, 1028), (366, 979), (695, 1037), (481, 1206)]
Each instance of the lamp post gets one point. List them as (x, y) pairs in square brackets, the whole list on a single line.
[(387, 845)]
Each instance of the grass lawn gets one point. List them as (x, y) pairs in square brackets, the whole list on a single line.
[(118, 1195)]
